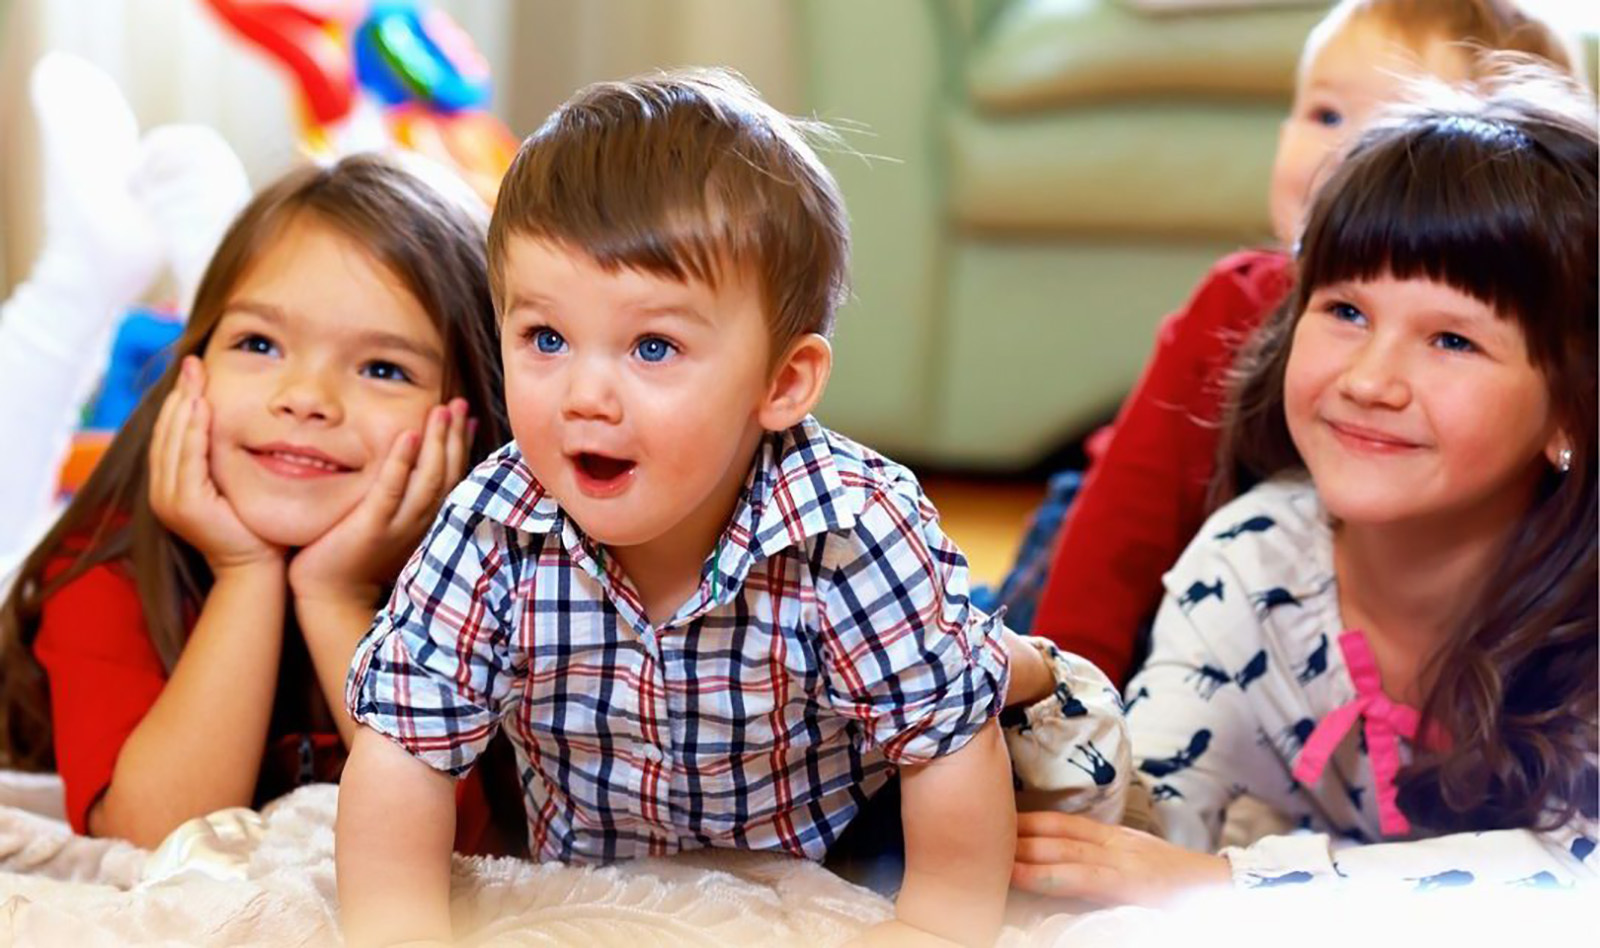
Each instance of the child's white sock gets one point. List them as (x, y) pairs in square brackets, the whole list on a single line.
[(99, 246), (192, 185)]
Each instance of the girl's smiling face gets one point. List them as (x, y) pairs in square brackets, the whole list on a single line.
[(321, 359), (1409, 400)]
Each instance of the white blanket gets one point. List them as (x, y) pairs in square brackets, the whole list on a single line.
[(241, 878)]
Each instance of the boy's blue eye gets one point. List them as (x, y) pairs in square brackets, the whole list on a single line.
[(654, 349), (548, 341), (1327, 117), (385, 371)]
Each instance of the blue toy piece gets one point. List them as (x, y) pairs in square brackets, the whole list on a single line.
[(403, 55), (140, 353)]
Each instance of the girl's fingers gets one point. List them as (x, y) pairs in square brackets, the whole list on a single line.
[(426, 478), (1072, 881), (457, 445), (160, 436), (177, 440), (1069, 825), (1049, 850), (166, 436), (399, 470), (192, 472)]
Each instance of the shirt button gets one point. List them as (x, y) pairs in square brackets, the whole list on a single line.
[(652, 753)]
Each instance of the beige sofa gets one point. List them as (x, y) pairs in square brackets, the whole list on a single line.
[(1055, 176)]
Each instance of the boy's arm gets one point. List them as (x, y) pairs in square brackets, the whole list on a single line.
[(395, 827), (960, 820)]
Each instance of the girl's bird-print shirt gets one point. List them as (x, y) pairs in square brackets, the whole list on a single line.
[(1254, 687)]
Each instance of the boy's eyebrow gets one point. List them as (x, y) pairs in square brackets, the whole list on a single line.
[(685, 311), (375, 338)]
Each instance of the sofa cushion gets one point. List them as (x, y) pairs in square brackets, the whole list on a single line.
[(1041, 54), (1159, 169)]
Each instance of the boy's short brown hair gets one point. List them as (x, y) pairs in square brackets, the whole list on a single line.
[(682, 173)]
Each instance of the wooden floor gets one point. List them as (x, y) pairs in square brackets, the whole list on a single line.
[(985, 517)]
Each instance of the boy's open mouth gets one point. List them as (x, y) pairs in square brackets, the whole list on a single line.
[(601, 468)]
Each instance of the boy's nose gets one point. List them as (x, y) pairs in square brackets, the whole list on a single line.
[(590, 393)]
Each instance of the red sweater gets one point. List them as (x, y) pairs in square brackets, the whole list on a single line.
[(1145, 493), (104, 676)]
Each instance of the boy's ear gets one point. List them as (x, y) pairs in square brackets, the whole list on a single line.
[(797, 382)]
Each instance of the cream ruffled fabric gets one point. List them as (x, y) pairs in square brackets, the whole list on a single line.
[(241, 878)]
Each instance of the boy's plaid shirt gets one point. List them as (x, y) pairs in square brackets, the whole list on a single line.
[(830, 637)]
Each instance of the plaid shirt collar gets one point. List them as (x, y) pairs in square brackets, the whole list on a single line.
[(802, 483)]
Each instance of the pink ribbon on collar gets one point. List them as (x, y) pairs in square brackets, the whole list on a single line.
[(1385, 721)]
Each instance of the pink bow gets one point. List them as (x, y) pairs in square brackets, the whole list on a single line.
[(1385, 722)]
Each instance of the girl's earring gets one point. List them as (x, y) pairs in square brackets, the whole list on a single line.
[(1564, 460)]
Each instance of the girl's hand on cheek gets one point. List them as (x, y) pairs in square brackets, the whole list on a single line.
[(1075, 857), (182, 494), (366, 548)]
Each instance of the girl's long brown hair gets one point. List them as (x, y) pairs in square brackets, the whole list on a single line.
[(1495, 197), (433, 242)]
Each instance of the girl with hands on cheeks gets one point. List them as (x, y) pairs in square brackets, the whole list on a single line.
[(178, 643)]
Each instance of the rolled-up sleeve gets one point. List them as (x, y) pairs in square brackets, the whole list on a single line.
[(434, 671), (906, 654)]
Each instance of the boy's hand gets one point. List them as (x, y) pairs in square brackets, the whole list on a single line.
[(1075, 857), (367, 547), (1031, 680), (182, 494)]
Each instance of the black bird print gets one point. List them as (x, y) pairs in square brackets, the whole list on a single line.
[(1270, 599), (1582, 847), (1316, 662), (1448, 879), (1199, 592), (1252, 671), (1544, 879), (1182, 760), (1165, 791), (1207, 679), (1098, 767), (1253, 525), (1070, 707), (1288, 741), (1297, 877), (1135, 698)]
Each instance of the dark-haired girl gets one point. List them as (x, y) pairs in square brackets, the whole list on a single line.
[(1390, 639)]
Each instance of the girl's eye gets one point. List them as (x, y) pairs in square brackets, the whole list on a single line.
[(1451, 342), (546, 340), (385, 371), (1330, 118), (1345, 313), (654, 349), (255, 343)]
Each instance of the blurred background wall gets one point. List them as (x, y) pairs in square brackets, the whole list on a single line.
[(1037, 181)]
